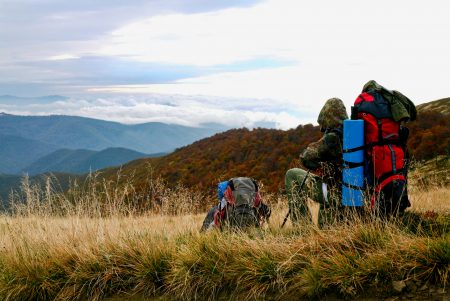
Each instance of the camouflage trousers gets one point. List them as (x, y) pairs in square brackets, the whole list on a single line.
[(314, 189)]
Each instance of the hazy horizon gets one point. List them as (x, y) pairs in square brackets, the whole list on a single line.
[(239, 63)]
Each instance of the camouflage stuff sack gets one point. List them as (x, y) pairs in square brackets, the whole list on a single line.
[(243, 201), (332, 114)]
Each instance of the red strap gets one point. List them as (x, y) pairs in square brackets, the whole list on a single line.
[(257, 201), (218, 218), (219, 215), (229, 196), (364, 97), (380, 186)]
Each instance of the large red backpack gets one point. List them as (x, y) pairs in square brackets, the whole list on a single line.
[(386, 153)]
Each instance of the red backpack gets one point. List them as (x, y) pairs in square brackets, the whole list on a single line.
[(386, 154)]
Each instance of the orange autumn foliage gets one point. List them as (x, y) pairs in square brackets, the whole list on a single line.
[(266, 154)]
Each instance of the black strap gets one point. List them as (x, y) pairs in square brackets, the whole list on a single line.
[(355, 149), (385, 142), (390, 174), (372, 144), (348, 164), (352, 186), (380, 130), (231, 184), (256, 185)]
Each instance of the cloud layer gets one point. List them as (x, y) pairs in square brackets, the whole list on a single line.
[(173, 109), (263, 61)]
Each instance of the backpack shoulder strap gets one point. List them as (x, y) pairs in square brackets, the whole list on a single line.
[(231, 184), (256, 185), (337, 131)]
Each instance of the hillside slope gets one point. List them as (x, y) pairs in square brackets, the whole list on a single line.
[(430, 133), (267, 154), (17, 152), (86, 133), (440, 106), (264, 154), (82, 161)]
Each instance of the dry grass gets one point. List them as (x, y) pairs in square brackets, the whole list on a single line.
[(82, 252), (437, 199), (71, 257)]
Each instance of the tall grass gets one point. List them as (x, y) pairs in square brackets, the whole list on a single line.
[(99, 197), (95, 242)]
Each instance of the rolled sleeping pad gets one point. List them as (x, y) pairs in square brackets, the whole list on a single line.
[(353, 172), (221, 187)]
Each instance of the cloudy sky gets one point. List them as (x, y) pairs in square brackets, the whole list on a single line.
[(236, 62)]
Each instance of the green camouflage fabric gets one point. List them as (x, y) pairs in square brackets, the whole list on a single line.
[(327, 149), (402, 108), (324, 155), (312, 189), (332, 114)]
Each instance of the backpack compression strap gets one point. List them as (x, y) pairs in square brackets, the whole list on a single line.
[(383, 183)]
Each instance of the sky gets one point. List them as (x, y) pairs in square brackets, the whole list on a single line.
[(238, 62)]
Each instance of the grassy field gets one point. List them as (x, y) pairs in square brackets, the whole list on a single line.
[(73, 255)]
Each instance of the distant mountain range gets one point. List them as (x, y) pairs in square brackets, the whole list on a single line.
[(82, 161), (16, 152), (86, 133), (27, 142)]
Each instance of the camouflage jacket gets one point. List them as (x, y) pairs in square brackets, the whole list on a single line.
[(326, 155)]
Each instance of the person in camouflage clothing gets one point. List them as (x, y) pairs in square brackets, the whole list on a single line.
[(324, 160)]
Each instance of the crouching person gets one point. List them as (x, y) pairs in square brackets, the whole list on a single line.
[(322, 187), (240, 206)]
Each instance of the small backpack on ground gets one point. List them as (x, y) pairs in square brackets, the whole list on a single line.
[(385, 145), (240, 206), (243, 201)]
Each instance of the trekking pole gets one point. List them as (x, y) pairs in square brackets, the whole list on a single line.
[(299, 189)]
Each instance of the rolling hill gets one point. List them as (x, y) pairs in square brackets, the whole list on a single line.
[(16, 152), (86, 133), (440, 106), (82, 161), (266, 154), (430, 133), (24, 139)]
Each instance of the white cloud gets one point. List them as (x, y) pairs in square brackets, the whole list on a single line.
[(323, 32), (62, 57), (334, 47), (206, 39), (173, 109)]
